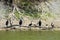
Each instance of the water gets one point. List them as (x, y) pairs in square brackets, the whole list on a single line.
[(30, 35)]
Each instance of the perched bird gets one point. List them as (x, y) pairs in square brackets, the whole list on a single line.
[(20, 22), (52, 25), (30, 24), (7, 23), (39, 23)]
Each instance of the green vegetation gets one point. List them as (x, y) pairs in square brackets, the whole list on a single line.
[(17, 14), (34, 9), (27, 6), (30, 35), (31, 8)]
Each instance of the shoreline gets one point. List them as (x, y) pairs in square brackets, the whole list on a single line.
[(27, 29)]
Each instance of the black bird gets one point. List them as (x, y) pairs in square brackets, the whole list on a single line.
[(20, 22), (7, 23), (52, 25), (39, 24), (30, 24)]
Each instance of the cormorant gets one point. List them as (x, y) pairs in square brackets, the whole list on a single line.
[(30, 24), (52, 25), (7, 23), (20, 22), (39, 23)]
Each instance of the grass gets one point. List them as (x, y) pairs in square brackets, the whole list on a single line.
[(30, 35)]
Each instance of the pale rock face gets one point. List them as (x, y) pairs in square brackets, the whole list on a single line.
[(55, 8), (2, 22), (57, 22), (26, 21)]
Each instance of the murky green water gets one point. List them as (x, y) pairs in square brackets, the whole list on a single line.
[(30, 35)]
